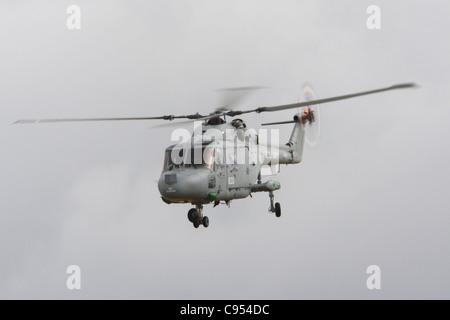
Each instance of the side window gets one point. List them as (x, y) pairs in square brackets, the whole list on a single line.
[(219, 156), (208, 157), (167, 160)]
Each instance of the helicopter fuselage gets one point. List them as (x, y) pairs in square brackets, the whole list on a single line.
[(222, 163)]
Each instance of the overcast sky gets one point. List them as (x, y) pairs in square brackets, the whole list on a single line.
[(375, 191)]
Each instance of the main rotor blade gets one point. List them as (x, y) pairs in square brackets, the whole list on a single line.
[(222, 111), (168, 117), (321, 101)]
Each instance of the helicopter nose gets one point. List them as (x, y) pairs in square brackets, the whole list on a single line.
[(182, 186)]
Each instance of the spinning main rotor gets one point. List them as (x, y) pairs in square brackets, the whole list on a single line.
[(226, 111)]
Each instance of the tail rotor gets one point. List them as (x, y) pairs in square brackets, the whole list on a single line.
[(312, 113)]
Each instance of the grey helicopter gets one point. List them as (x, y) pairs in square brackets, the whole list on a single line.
[(223, 161)]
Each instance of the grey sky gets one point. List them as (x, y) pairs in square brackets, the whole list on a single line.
[(375, 190)]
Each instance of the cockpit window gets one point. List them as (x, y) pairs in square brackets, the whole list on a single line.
[(190, 158)]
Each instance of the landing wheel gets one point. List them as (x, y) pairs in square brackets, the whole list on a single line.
[(205, 222), (195, 215), (191, 215), (278, 209)]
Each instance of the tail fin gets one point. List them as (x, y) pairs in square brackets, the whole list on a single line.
[(296, 142), (292, 152)]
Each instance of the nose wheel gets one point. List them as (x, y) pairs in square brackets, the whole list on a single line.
[(195, 216)]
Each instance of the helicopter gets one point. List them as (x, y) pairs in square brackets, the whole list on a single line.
[(223, 161)]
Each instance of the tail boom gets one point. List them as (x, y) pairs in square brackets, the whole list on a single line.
[(292, 152)]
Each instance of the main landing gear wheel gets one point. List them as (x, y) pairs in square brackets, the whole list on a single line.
[(274, 208), (278, 209)]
